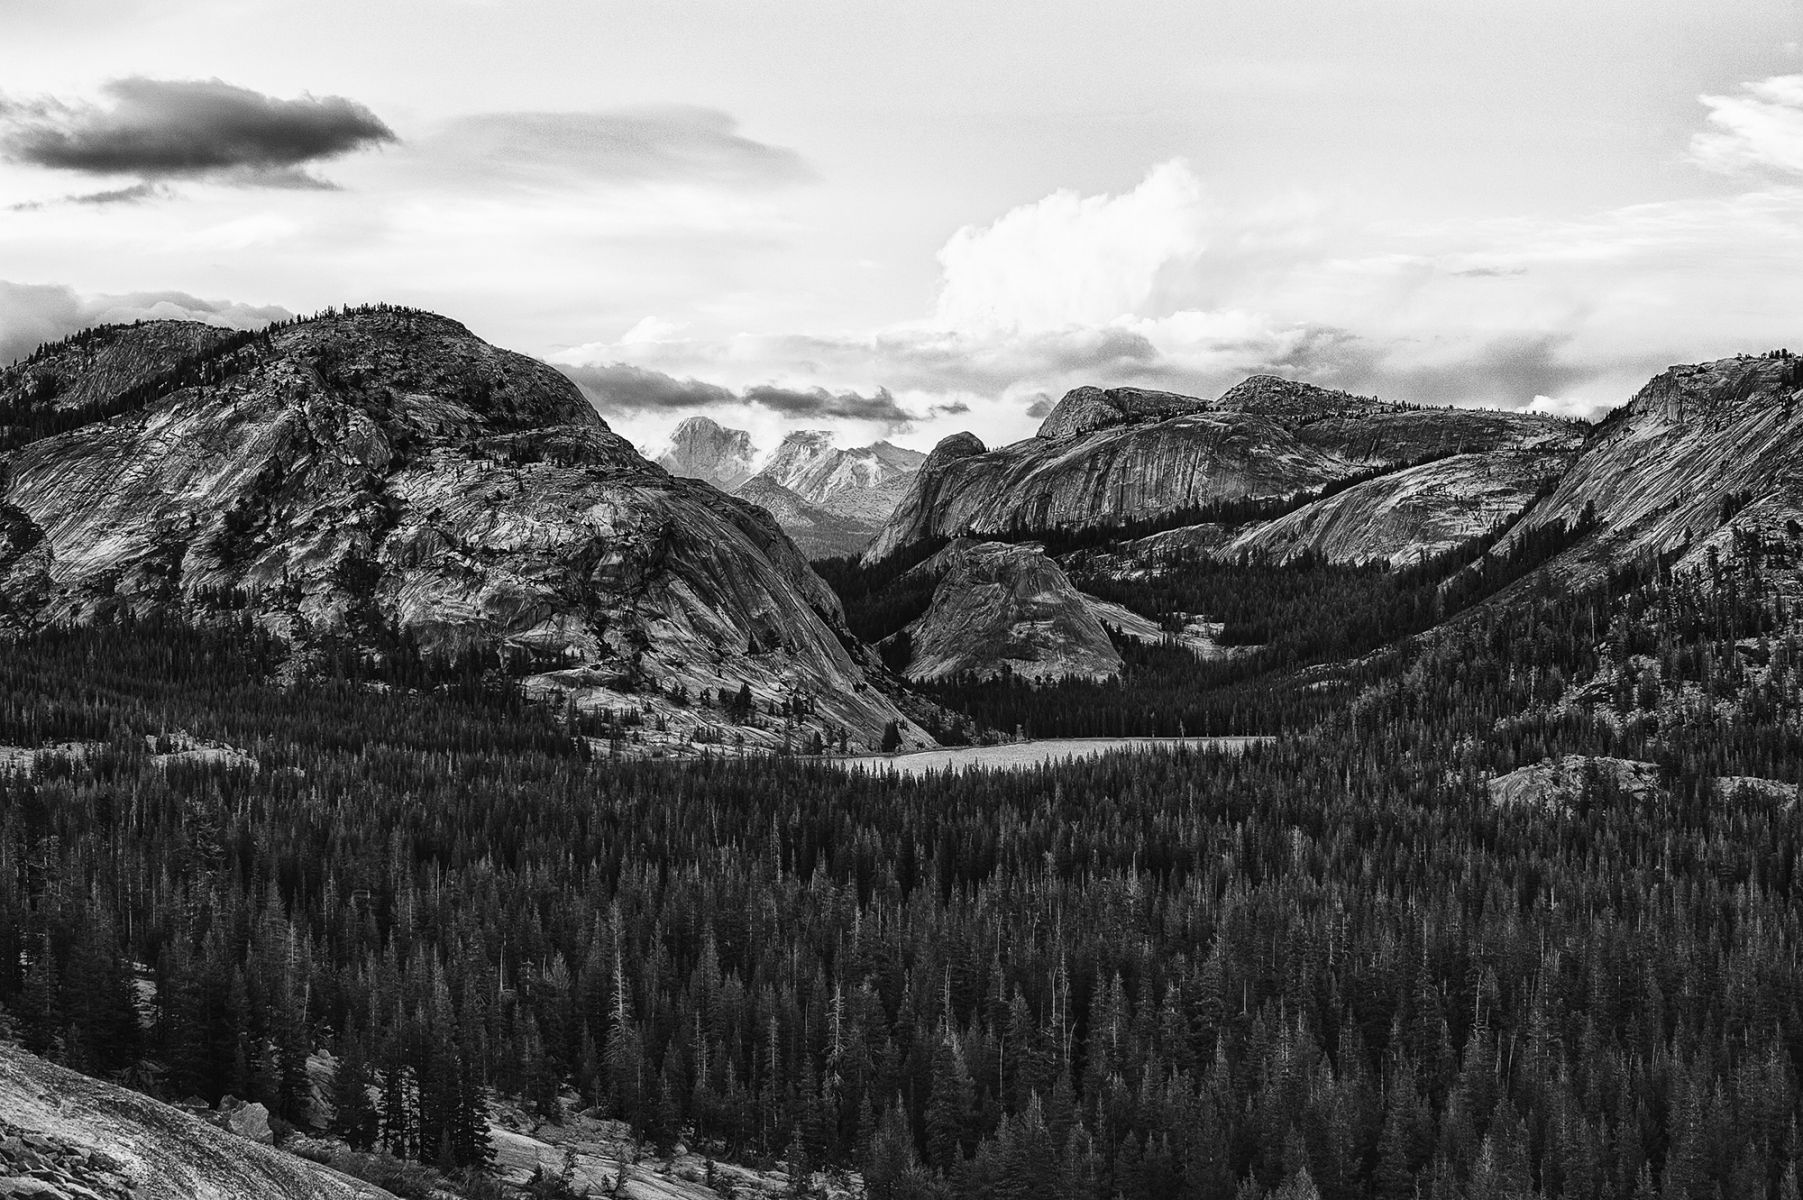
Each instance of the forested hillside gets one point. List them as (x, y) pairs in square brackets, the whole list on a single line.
[(1334, 965)]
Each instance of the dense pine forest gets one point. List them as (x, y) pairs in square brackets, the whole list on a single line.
[(1330, 966), (1275, 619)]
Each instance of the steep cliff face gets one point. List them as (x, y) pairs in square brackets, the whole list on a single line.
[(1699, 453), (1112, 455), (388, 468), (1001, 607), (700, 448), (1405, 516)]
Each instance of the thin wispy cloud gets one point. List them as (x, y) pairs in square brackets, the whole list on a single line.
[(161, 129), (1759, 127), (679, 144)]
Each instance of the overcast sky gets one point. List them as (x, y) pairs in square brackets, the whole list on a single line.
[(905, 219)]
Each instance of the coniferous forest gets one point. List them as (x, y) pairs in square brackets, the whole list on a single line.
[(1331, 965)]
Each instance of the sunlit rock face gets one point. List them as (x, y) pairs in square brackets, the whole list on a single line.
[(700, 449), (1699, 454), (1406, 516), (1006, 608), (389, 468), (1125, 454), (861, 484)]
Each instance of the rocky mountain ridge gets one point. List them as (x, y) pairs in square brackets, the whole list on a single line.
[(1701, 454), (1106, 455), (829, 499), (385, 471)]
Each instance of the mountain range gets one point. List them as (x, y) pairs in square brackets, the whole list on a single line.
[(830, 500), (326, 647), (384, 476), (380, 478)]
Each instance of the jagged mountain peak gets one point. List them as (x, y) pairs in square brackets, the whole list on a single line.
[(701, 448)]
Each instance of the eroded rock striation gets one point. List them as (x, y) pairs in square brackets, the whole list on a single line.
[(386, 469)]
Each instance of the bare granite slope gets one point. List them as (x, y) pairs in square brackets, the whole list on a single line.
[(1699, 453), (1006, 608), (153, 1151), (388, 469), (1128, 454)]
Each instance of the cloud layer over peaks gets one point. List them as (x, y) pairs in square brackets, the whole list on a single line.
[(158, 129), (623, 389)]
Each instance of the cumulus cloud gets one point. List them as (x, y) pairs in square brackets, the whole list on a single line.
[(1759, 127), (32, 314), (624, 389), (659, 144), (158, 129), (1157, 287), (1071, 260)]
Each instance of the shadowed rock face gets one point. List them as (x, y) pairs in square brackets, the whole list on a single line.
[(700, 449), (1001, 607), (1119, 454), (1693, 444), (391, 468)]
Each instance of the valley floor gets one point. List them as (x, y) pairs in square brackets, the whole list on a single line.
[(1015, 756)]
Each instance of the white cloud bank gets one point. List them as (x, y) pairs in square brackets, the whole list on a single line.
[(1071, 260), (1761, 127), (1159, 285)]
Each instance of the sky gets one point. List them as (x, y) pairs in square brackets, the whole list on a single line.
[(905, 220)]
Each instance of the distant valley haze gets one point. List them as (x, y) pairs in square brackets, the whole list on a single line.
[(899, 222)]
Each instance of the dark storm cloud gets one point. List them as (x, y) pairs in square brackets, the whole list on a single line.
[(32, 314), (175, 129), (665, 143), (1041, 407), (818, 402), (623, 388)]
